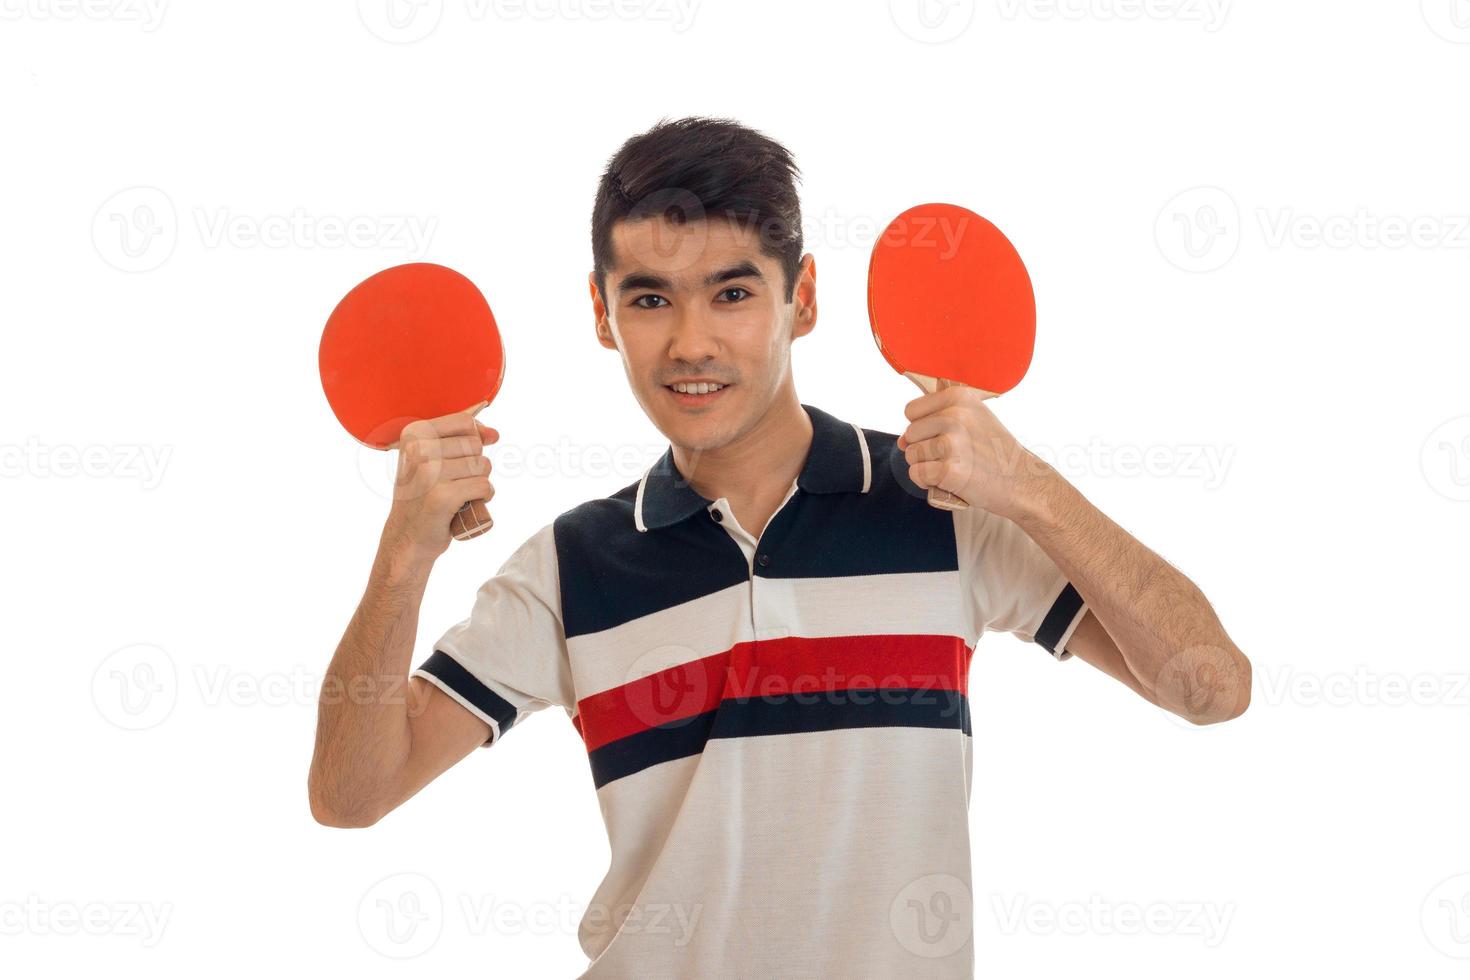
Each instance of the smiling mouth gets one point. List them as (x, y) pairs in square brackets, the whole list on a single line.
[(696, 393)]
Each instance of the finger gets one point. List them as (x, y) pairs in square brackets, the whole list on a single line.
[(487, 434), (946, 474), (928, 474), (470, 488), (925, 450), (928, 427), (925, 405), (931, 402), (462, 467), (458, 424), (453, 447)]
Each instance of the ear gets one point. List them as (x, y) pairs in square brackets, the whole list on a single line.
[(599, 315), (805, 297)]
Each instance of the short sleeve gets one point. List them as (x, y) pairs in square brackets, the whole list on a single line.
[(1011, 585), (508, 659)]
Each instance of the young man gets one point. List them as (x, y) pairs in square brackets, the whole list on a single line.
[(764, 641)]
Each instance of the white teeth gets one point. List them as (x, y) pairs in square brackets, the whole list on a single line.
[(696, 388)]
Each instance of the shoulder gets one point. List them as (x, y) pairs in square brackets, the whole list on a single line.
[(601, 518)]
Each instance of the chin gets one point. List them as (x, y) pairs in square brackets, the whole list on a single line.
[(695, 431)]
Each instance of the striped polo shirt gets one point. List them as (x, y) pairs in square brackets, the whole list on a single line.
[(777, 726)]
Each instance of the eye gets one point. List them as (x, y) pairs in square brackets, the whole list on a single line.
[(735, 289), (644, 306)]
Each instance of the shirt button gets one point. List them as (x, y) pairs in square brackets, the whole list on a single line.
[(717, 515), (763, 560)]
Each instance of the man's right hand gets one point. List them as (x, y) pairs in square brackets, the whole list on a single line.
[(441, 467)]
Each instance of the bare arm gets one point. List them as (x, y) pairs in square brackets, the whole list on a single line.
[(381, 736), (1148, 625)]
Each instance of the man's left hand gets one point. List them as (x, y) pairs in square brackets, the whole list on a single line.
[(955, 442)]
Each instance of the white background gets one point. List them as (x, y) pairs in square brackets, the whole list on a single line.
[(1247, 225)]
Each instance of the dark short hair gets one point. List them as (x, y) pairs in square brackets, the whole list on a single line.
[(695, 168)]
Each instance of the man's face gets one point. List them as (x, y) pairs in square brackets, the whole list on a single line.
[(699, 304)]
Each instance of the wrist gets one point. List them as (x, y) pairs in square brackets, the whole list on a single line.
[(1039, 500), (401, 562)]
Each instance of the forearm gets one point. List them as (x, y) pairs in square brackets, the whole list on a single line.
[(363, 734), (1162, 624)]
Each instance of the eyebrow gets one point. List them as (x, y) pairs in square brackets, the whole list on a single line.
[(646, 280)]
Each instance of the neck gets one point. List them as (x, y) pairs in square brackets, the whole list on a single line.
[(760, 463)]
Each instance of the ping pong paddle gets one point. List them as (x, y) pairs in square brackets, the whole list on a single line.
[(412, 342), (950, 303)]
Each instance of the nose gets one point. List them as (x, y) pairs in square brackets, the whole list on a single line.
[(693, 339)]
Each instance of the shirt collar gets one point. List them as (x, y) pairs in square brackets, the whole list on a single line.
[(838, 462)]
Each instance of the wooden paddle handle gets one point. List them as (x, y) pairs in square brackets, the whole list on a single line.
[(939, 497), (471, 521)]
